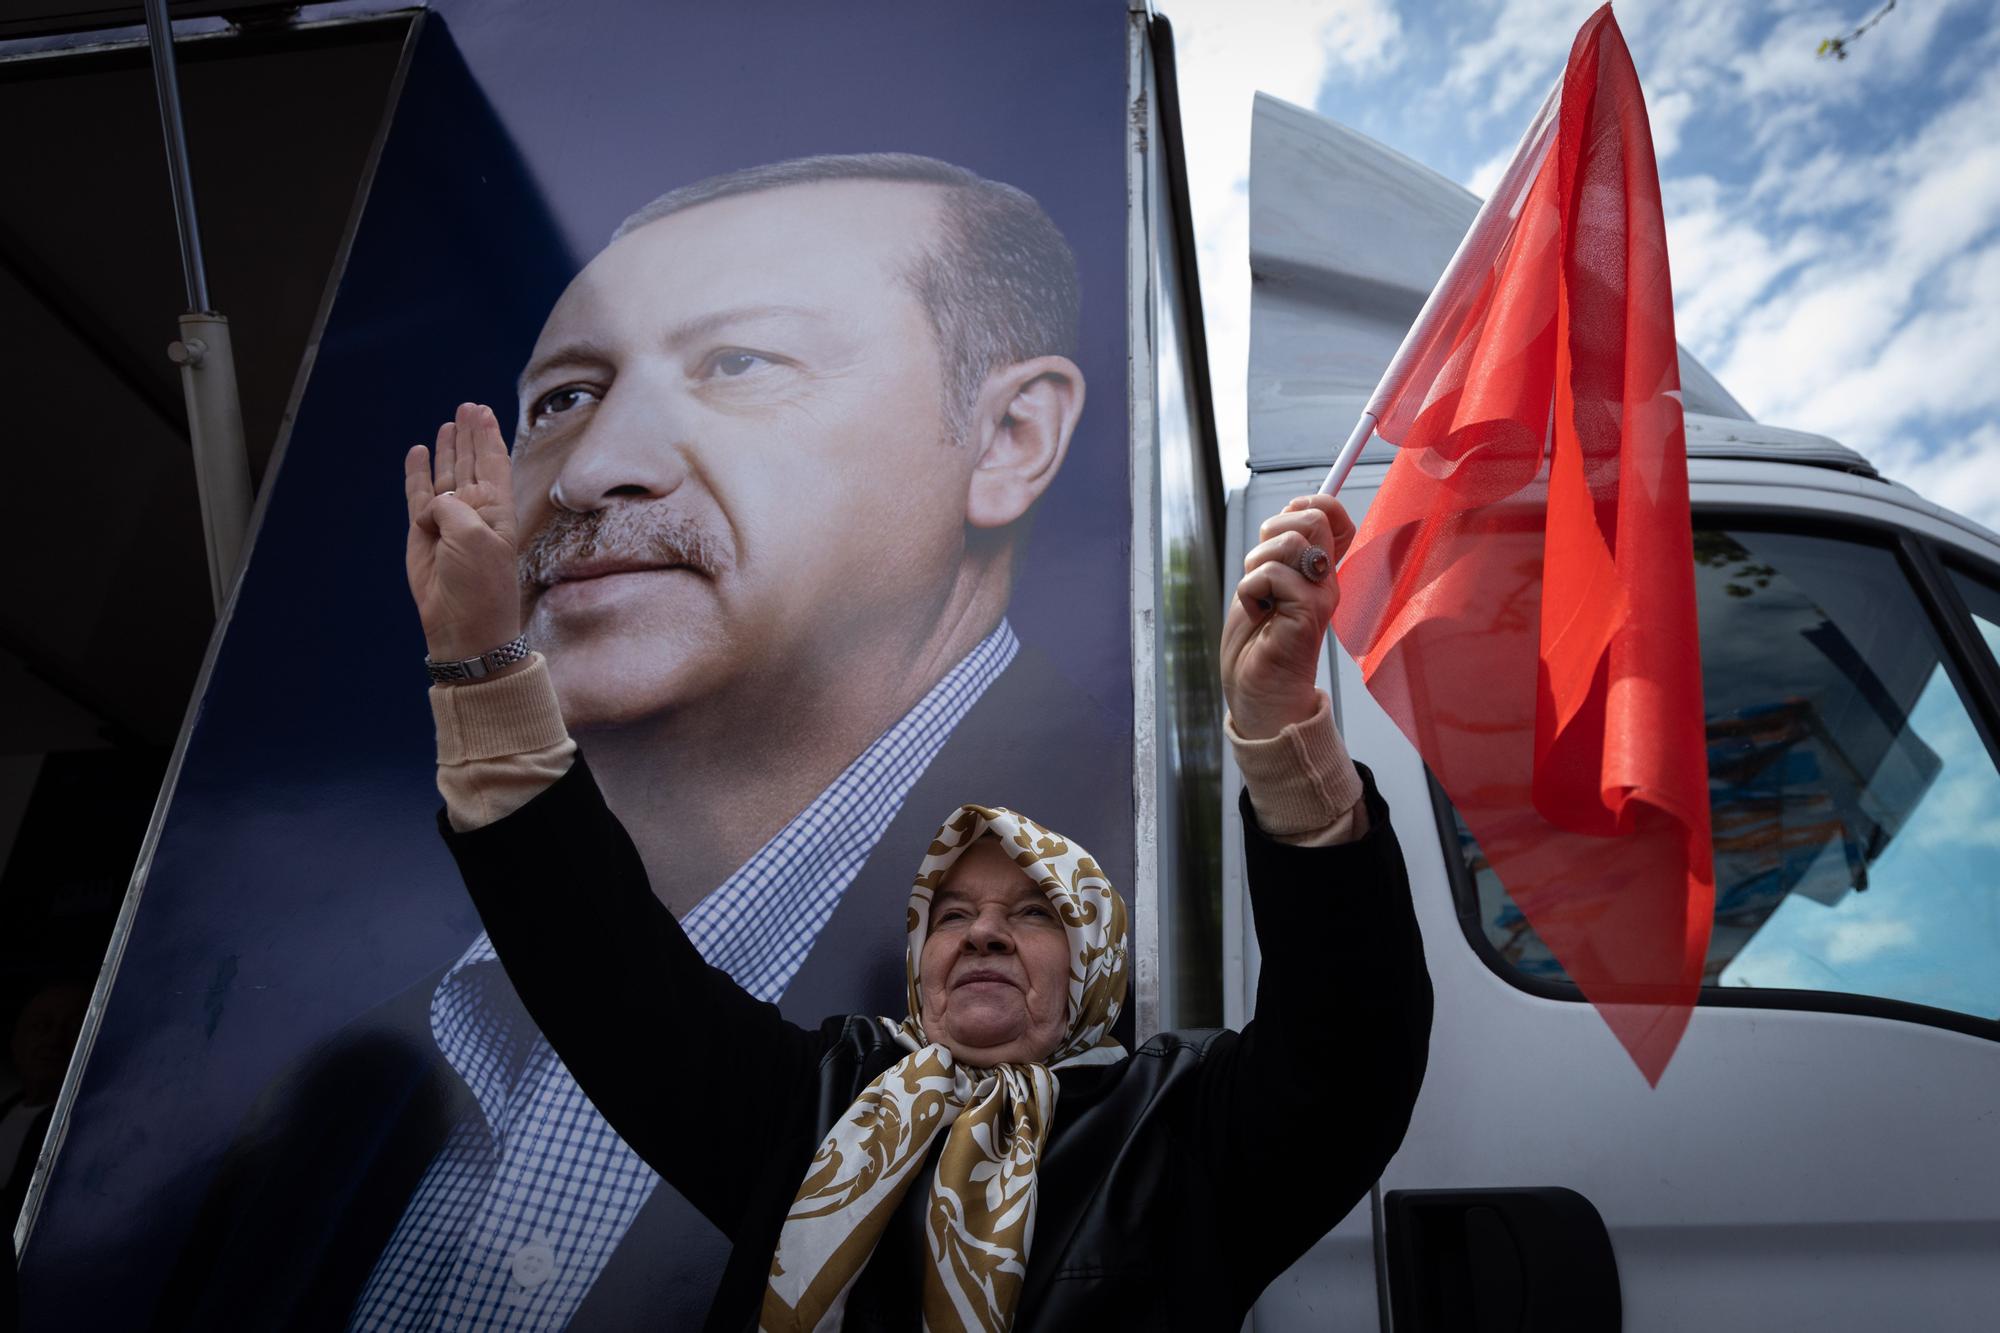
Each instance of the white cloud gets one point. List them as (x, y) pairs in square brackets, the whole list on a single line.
[(1963, 473), (1519, 56), (1943, 183), (1848, 291), (1825, 181), (1859, 941), (1898, 320), (1226, 52), (1488, 173), (1667, 113), (1937, 363), (1358, 33), (1796, 347), (1959, 812), (1673, 44), (1722, 262)]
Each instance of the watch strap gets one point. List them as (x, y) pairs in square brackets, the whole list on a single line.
[(480, 667)]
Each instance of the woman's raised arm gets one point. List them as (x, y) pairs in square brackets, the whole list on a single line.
[(689, 1069)]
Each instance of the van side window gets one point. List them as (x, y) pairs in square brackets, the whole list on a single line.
[(1856, 808)]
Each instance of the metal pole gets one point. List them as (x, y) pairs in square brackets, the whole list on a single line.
[(204, 351), (166, 82)]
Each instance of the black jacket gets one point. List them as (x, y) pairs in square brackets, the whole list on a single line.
[(324, 1166), (1175, 1184)]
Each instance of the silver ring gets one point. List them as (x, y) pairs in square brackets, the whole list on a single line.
[(1313, 563), (442, 494)]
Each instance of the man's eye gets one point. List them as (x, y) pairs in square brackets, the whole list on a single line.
[(1039, 909), (732, 364), (558, 401)]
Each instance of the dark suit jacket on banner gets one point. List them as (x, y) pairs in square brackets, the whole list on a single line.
[(320, 1175)]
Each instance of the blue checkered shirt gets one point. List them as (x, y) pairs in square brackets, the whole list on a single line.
[(522, 1207)]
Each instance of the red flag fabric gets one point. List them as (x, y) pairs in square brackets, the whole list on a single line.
[(1520, 597)]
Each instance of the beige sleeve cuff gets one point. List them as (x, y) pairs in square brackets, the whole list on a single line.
[(500, 744), (1302, 785)]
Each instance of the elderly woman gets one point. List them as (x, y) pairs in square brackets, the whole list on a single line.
[(994, 1158)]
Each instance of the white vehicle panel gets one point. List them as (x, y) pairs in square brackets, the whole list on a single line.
[(1794, 1169)]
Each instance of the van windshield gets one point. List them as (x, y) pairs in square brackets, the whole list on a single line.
[(1855, 806)]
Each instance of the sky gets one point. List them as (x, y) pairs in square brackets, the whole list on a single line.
[(1833, 226)]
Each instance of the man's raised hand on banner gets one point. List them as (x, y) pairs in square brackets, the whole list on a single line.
[(460, 556)]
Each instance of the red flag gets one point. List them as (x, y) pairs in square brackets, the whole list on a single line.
[(1521, 594)]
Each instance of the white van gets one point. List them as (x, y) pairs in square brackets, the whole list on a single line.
[(1824, 1151)]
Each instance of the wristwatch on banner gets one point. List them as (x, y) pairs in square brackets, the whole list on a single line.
[(480, 667)]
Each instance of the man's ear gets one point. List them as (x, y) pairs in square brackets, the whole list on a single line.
[(1021, 428)]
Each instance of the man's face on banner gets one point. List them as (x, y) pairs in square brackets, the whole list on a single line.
[(732, 466)]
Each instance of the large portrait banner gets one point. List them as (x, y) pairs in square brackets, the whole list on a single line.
[(806, 327)]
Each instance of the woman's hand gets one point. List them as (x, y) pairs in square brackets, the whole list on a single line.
[(460, 556), (1272, 636)]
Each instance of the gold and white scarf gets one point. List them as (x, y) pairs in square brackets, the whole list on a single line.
[(981, 1216)]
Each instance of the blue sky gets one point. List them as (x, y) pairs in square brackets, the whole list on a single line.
[(1834, 226)]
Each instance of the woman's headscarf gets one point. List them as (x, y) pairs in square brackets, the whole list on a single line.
[(981, 1216)]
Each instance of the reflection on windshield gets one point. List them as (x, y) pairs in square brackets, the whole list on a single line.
[(1794, 811), (1983, 599), (1856, 810)]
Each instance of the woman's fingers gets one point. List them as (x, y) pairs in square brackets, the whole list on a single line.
[(1274, 567), (1343, 528), (468, 419), (1321, 517), (1253, 590), (1273, 637), (417, 492), (444, 463), (1284, 548), (1284, 551), (469, 464), (1312, 522), (490, 466), (1309, 526), (1275, 585), (456, 519), (1268, 575), (471, 420), (1281, 584)]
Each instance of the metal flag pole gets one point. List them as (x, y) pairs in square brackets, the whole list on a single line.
[(1477, 250), (204, 352)]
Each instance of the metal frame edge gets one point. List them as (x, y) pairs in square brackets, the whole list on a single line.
[(1141, 372)]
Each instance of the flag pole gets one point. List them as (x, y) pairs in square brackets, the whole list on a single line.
[(1343, 462), (1476, 252)]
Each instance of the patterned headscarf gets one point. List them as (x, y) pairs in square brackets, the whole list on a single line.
[(981, 1216)]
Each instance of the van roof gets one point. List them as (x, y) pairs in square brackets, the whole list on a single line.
[(1708, 436), (1347, 237), (1727, 437)]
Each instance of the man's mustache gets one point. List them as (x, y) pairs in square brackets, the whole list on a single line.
[(641, 535)]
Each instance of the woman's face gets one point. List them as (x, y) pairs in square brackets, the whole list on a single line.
[(994, 974)]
